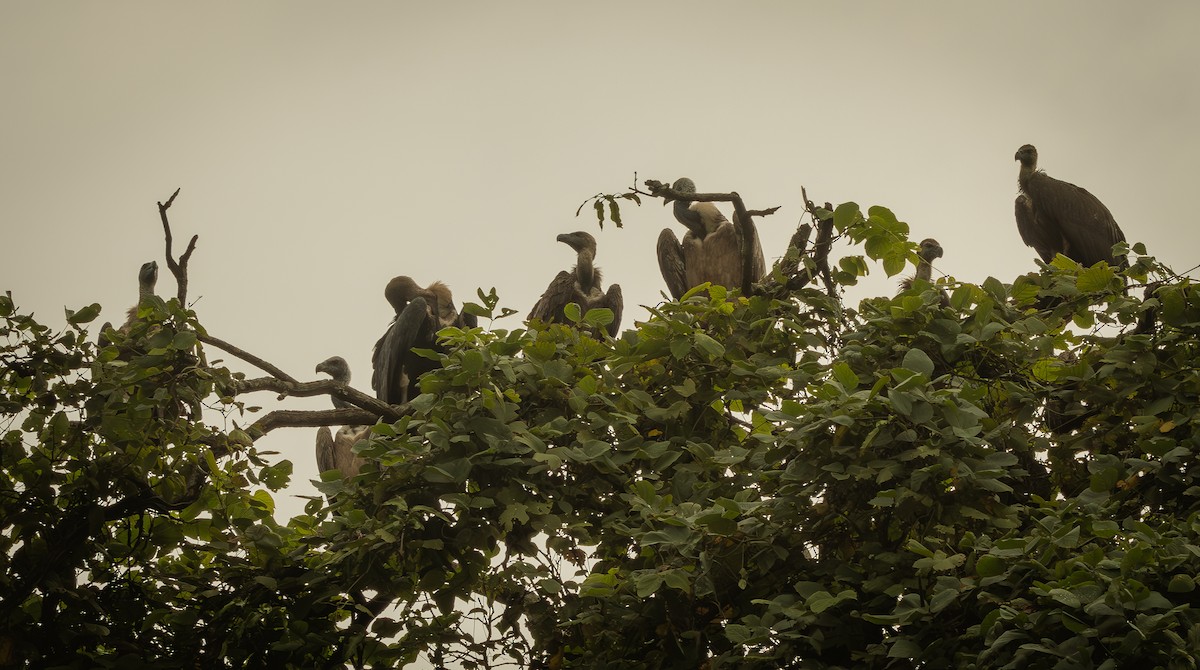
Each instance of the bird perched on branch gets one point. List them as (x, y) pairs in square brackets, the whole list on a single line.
[(339, 369), (1055, 217), (709, 251), (420, 314), (147, 279), (336, 452), (580, 285), (930, 249)]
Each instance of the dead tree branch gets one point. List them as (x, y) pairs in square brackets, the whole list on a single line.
[(789, 265), (248, 357), (178, 268), (299, 418), (371, 408), (796, 277), (747, 234)]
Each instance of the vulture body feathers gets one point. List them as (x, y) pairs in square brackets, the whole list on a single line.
[(709, 250), (147, 279), (930, 250), (1056, 217), (336, 451), (420, 314), (580, 285)]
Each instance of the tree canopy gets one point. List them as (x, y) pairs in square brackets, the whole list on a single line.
[(764, 481)]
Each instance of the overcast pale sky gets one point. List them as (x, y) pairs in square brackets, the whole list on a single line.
[(323, 148)]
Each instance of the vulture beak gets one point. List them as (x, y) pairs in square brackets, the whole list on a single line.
[(565, 238)]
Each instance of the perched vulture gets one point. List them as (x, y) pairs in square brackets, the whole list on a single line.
[(930, 249), (147, 278), (709, 251), (1055, 217), (336, 452), (420, 314), (339, 369), (581, 285)]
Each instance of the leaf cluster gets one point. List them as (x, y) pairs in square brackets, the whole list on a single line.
[(778, 481)]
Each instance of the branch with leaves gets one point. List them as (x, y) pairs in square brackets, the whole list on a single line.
[(369, 409)]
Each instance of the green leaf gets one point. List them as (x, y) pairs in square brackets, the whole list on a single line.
[(1095, 278), (571, 311), (614, 211), (472, 361), (845, 376), (1181, 583), (904, 648), (85, 315), (918, 361), (989, 566), (598, 317), (185, 340), (711, 348), (846, 215)]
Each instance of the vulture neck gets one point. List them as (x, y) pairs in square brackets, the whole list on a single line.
[(1026, 173), (924, 270), (585, 270), (145, 290)]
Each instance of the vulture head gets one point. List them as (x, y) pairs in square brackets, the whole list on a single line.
[(1028, 156), (700, 223), (399, 291), (336, 367), (147, 278), (579, 241), (930, 249)]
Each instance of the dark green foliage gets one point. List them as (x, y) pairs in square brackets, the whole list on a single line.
[(777, 481)]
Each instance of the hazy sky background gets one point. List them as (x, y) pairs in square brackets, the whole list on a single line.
[(323, 148)]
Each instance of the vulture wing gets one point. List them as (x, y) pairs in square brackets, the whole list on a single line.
[(1044, 239), (561, 292), (1086, 225), (326, 460), (615, 301), (392, 350), (671, 263)]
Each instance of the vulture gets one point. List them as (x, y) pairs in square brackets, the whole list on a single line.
[(336, 452), (930, 249), (147, 278), (581, 285), (339, 369), (709, 251), (1055, 217), (420, 314)]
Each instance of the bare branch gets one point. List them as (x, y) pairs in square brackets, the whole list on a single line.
[(296, 418), (789, 266), (797, 278), (248, 357), (178, 268), (371, 408)]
